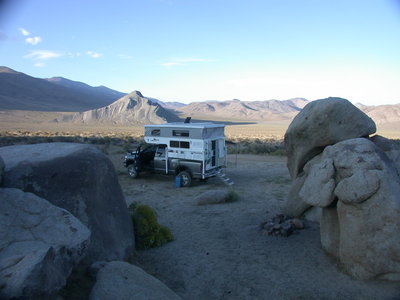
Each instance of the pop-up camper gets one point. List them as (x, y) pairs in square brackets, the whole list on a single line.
[(188, 150)]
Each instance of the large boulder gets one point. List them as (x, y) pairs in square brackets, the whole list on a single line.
[(391, 149), (360, 221), (319, 174), (123, 281), (294, 205), (82, 180), (40, 244), (322, 123)]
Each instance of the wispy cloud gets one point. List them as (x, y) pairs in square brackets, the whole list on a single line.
[(39, 64), (24, 32), (33, 40), (73, 54), (184, 61), (124, 56), (93, 54), (42, 54), (30, 40)]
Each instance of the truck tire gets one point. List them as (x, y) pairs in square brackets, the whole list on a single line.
[(132, 171), (186, 178)]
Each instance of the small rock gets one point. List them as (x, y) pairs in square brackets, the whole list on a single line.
[(281, 225), (212, 197), (286, 229), (298, 224)]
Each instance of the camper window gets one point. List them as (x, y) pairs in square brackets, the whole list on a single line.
[(174, 144), (155, 132), (179, 144), (180, 132), (185, 145)]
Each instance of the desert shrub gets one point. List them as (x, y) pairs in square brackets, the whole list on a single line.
[(282, 180), (148, 233), (232, 196), (256, 146), (278, 152), (132, 207)]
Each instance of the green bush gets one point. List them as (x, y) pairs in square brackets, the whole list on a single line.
[(148, 233), (232, 196)]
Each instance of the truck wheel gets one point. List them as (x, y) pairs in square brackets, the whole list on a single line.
[(186, 178), (132, 171)]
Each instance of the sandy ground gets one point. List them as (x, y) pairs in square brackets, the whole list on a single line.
[(219, 251)]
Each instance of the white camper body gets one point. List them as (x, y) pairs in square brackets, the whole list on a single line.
[(197, 142)]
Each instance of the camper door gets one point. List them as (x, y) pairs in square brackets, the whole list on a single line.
[(216, 153)]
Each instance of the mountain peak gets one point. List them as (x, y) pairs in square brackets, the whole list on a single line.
[(130, 109), (136, 93), (4, 69)]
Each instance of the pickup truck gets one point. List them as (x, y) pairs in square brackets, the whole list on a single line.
[(153, 158)]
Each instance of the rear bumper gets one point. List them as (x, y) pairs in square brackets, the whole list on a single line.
[(211, 173)]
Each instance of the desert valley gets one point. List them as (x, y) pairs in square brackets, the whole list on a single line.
[(221, 250), (62, 106)]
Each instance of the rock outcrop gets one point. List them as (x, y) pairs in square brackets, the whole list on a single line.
[(322, 123), (353, 181), (360, 221), (121, 280), (82, 180), (40, 244), (130, 109), (391, 149)]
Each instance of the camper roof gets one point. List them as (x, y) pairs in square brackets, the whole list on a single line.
[(187, 125)]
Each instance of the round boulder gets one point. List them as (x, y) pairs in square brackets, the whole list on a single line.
[(40, 244), (121, 280), (321, 123), (82, 180)]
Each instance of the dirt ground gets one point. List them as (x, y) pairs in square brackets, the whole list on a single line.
[(219, 251)]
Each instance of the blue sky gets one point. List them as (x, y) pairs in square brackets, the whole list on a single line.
[(187, 50)]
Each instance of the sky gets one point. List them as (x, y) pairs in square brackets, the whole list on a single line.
[(195, 50)]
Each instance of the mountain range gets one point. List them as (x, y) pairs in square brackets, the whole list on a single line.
[(19, 91), (245, 110), (133, 108)]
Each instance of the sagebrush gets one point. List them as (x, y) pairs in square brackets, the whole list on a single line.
[(148, 232)]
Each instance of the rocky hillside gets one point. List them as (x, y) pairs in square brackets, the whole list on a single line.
[(19, 91), (383, 114), (246, 110), (168, 105), (130, 109)]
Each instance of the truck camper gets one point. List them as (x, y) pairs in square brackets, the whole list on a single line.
[(184, 149)]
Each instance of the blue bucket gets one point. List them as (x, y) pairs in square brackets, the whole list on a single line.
[(178, 181)]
